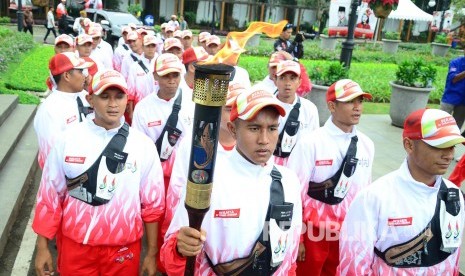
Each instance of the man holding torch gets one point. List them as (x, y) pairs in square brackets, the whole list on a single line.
[(255, 211)]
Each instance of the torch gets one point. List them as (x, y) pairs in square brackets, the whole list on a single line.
[(210, 90)]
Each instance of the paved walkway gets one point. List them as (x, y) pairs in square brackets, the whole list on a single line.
[(389, 151)]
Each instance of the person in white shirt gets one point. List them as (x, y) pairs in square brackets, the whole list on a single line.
[(173, 45), (213, 44), (122, 49), (61, 109), (132, 27), (64, 43), (239, 222), (301, 114), (61, 9), (84, 49), (77, 26), (269, 82), (186, 39), (50, 24), (333, 164), (99, 190), (140, 78), (410, 221), (166, 115), (226, 144), (202, 39), (174, 22), (101, 50), (135, 41)]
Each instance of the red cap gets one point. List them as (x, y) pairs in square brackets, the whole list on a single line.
[(65, 39), (64, 62), (248, 104), (345, 90), (83, 38), (435, 127), (213, 39), (194, 54), (172, 42), (203, 36), (106, 79), (288, 66), (276, 57), (167, 63)]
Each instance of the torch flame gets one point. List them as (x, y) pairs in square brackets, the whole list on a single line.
[(235, 41)]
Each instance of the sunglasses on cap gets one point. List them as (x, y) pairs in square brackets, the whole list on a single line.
[(288, 26)]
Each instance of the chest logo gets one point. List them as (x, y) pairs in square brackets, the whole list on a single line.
[(75, 159), (328, 162), (228, 213), (400, 221), (154, 123)]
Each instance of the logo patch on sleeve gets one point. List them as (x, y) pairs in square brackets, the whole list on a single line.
[(328, 162), (400, 221), (75, 159), (228, 213), (71, 119), (154, 123)]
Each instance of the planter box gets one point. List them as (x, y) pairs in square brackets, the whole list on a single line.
[(328, 42), (405, 100), (318, 97), (390, 46), (439, 49)]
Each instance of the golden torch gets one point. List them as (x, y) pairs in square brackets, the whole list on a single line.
[(211, 83)]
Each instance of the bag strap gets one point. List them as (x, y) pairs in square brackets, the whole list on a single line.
[(83, 110), (172, 120), (142, 65), (293, 117), (134, 57), (125, 47)]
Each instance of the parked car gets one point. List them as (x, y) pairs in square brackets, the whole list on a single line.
[(112, 23)]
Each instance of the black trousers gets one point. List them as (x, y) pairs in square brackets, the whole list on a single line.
[(48, 32), (28, 27)]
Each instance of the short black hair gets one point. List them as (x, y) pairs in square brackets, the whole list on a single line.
[(57, 78), (341, 8), (288, 26)]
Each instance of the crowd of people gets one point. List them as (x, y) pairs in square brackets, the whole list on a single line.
[(290, 197)]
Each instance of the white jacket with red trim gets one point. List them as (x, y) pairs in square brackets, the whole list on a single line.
[(318, 157), (140, 83), (55, 114), (139, 194), (371, 222), (239, 204)]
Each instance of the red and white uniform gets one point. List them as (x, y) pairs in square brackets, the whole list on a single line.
[(139, 197), (150, 116), (316, 158), (58, 112), (178, 178), (236, 216), (241, 76), (61, 10), (141, 84), (268, 84), (103, 53), (309, 121), (371, 222), (127, 62), (118, 55)]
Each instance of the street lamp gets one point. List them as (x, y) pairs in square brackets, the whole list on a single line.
[(348, 45), (19, 16)]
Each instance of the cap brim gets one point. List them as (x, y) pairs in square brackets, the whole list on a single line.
[(445, 142), (84, 65), (108, 85), (256, 109), (355, 95), (169, 70)]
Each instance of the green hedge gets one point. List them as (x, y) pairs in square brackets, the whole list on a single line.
[(372, 77), (32, 72)]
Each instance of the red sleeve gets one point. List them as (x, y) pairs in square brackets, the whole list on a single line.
[(170, 258), (305, 83), (458, 174)]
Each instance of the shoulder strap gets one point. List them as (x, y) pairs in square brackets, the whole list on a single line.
[(134, 57), (173, 118), (142, 65), (125, 47)]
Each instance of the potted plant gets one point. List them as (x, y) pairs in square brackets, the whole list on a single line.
[(322, 77), (327, 42), (382, 8), (440, 47), (410, 91), (391, 42)]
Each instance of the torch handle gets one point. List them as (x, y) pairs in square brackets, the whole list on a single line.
[(195, 221)]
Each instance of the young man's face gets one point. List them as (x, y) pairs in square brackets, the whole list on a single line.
[(286, 35), (96, 41), (150, 50), (175, 51), (427, 161), (168, 83), (186, 42), (85, 49), (346, 114), (225, 113), (256, 139), (212, 49), (109, 107), (272, 73), (76, 79), (287, 85), (63, 47)]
